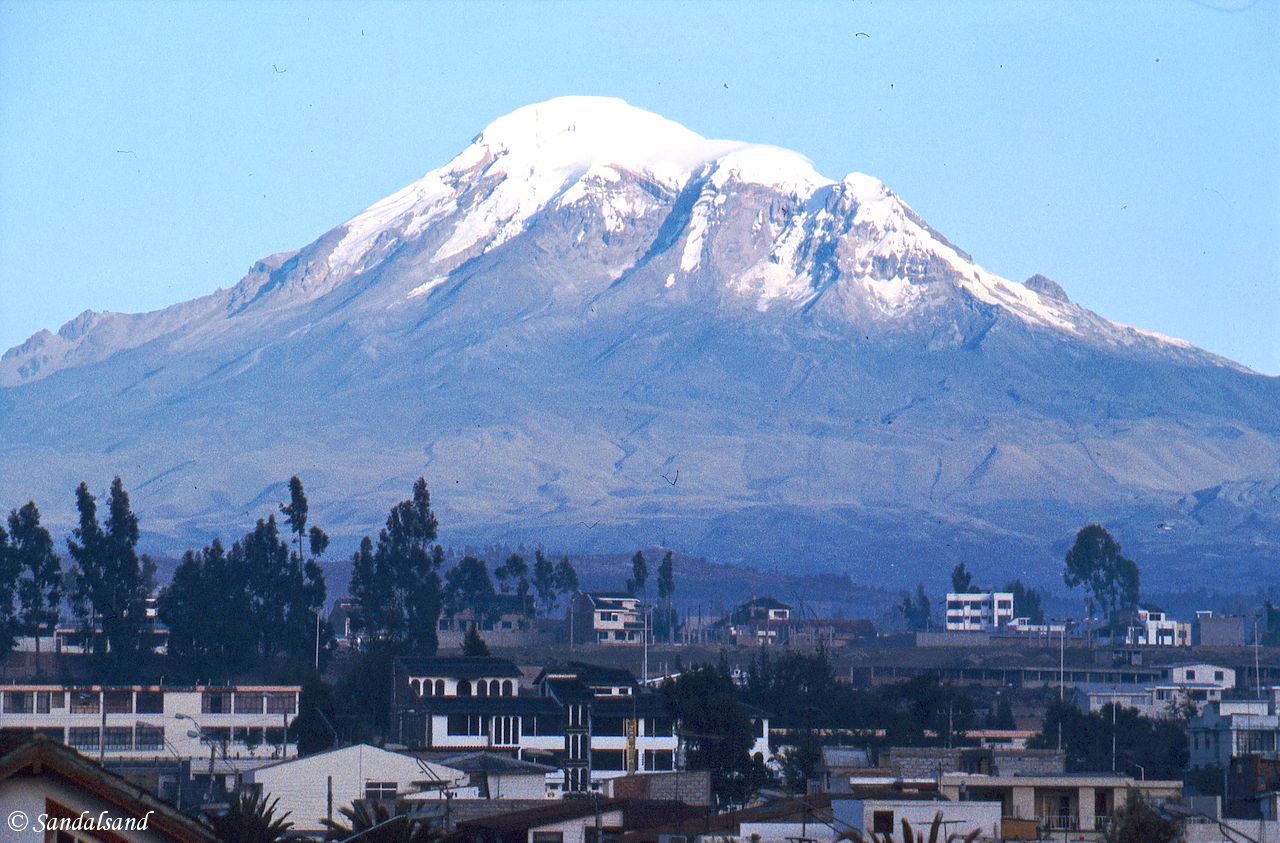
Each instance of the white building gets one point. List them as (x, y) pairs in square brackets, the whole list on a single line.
[(881, 816), (1024, 626), (606, 617), (319, 786), (592, 723), (150, 721), (1229, 728), (1156, 629), (979, 611), (1189, 684)]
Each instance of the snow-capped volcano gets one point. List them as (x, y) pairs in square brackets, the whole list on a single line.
[(588, 295)]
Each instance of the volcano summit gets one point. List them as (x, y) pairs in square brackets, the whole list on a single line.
[(594, 316)]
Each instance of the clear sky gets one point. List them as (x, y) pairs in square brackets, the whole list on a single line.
[(149, 153)]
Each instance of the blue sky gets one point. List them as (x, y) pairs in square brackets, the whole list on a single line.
[(149, 153)]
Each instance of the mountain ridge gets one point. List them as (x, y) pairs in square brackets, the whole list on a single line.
[(553, 331)]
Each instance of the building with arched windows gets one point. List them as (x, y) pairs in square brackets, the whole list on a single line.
[(591, 723)]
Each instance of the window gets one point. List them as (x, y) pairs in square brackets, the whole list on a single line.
[(546, 724), (82, 738), (282, 703), (482, 688), (117, 702), (548, 837), (215, 735), (1218, 676), (149, 702), (439, 687), (882, 822), (248, 702), (1191, 676), (117, 738), (148, 737), (57, 699), (506, 730), (658, 726), (464, 688), (658, 759), (469, 725), (215, 702), (380, 790), (18, 702), (508, 688), (610, 726), (250, 736), (84, 702)]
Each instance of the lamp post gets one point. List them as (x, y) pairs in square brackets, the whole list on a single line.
[(200, 733)]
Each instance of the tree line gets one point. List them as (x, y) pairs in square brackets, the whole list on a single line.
[(1110, 580)]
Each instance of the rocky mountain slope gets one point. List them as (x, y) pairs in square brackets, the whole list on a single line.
[(596, 329)]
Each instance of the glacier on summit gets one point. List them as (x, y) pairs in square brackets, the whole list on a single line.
[(589, 295)]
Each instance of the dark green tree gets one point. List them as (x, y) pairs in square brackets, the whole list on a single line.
[(639, 575), (1138, 821), (566, 578), (398, 583), (317, 712), (961, 579), (204, 644), (467, 586), (1026, 602), (1001, 715), (39, 573), (916, 613), (251, 818), (375, 822), (111, 578), (1096, 563), (513, 576), (666, 619), (473, 645), (716, 732), (1158, 745), (544, 581), (9, 568)]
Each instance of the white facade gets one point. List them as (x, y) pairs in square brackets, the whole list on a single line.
[(1155, 629), (879, 815), (1191, 684), (319, 786), (142, 721), (1229, 728), (617, 619), (979, 611)]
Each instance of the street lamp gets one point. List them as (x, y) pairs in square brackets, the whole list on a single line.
[(196, 734)]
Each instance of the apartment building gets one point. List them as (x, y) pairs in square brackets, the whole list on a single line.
[(146, 721), (589, 722), (1231, 728), (979, 611)]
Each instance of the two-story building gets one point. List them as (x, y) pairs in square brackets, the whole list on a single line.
[(978, 611), (152, 721), (1150, 628), (1081, 804), (607, 617), (1183, 687), (1232, 728), (591, 723)]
